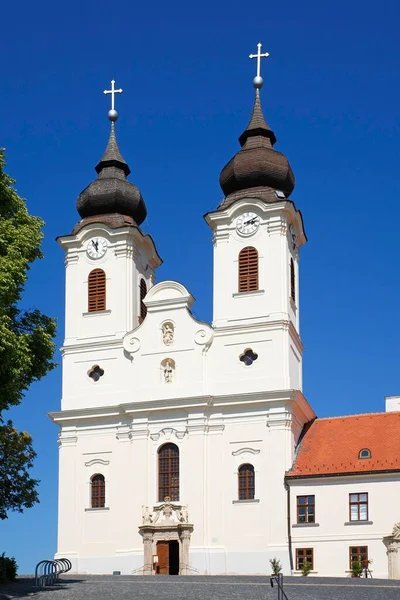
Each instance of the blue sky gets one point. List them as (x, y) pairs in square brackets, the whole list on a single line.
[(331, 94)]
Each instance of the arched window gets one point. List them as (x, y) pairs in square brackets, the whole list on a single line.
[(292, 281), (143, 308), (96, 290), (248, 269), (246, 482), (98, 492), (168, 472)]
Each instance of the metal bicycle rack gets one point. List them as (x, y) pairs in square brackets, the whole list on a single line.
[(47, 572), (278, 579)]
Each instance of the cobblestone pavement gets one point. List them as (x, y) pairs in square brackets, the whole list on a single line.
[(106, 587)]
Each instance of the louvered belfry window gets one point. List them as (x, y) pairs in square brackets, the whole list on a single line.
[(96, 290), (168, 472), (143, 308), (98, 491), (246, 482), (292, 281), (248, 269)]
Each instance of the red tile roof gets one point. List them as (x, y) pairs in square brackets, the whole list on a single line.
[(331, 446)]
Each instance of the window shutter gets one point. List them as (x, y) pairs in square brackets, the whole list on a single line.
[(248, 269), (143, 308), (96, 290), (292, 281)]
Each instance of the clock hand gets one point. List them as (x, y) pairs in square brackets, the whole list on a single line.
[(251, 221), (96, 245)]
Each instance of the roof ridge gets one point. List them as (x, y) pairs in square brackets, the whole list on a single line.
[(358, 415)]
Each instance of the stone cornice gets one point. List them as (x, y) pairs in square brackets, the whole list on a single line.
[(115, 412), (90, 344)]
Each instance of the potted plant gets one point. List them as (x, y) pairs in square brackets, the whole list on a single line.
[(306, 568), (276, 566), (356, 568)]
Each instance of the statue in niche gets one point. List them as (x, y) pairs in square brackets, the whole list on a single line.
[(168, 372), (168, 333)]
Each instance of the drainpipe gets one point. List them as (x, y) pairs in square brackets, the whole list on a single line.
[(289, 527)]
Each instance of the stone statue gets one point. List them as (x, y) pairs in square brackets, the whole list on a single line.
[(168, 333), (183, 515), (396, 531), (168, 372), (147, 517), (167, 509)]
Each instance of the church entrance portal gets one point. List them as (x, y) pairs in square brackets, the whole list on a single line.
[(168, 558)]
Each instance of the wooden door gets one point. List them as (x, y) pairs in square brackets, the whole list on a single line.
[(163, 558)]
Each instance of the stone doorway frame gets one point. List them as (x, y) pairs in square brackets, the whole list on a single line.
[(152, 534)]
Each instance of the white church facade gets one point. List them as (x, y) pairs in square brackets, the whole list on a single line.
[(187, 447)]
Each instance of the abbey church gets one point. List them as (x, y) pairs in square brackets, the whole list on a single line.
[(187, 447)]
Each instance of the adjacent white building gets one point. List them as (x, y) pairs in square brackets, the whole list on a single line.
[(178, 438)]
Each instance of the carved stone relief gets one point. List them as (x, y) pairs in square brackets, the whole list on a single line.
[(245, 452), (96, 461), (168, 332), (167, 433)]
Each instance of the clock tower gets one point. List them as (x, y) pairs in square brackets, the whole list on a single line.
[(110, 265), (257, 235)]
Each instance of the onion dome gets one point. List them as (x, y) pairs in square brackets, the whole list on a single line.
[(111, 192), (257, 169)]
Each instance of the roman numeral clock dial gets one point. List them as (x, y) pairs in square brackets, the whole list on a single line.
[(96, 247), (247, 223)]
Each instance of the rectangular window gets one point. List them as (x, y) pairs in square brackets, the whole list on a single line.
[(358, 505), (302, 555), (306, 509), (360, 554)]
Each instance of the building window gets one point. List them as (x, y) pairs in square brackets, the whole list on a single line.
[(358, 507), (95, 373), (96, 290), (246, 482), (143, 307), (98, 491), (292, 281), (248, 357), (248, 269), (168, 472), (303, 555), (364, 453), (360, 554), (306, 509)]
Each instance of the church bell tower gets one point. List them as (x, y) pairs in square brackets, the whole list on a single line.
[(257, 235), (110, 265)]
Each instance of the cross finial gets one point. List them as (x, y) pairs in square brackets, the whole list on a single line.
[(112, 114), (258, 80)]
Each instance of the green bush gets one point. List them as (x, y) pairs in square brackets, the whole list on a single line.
[(356, 568), (276, 566), (306, 568), (8, 568)]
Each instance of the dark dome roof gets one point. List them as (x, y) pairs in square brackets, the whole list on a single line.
[(257, 164), (111, 192)]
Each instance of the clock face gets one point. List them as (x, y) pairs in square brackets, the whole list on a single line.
[(247, 223), (96, 247)]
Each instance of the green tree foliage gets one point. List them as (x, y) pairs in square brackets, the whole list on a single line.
[(26, 342), (17, 488)]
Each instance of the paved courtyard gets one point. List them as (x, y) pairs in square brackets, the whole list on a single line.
[(204, 588)]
